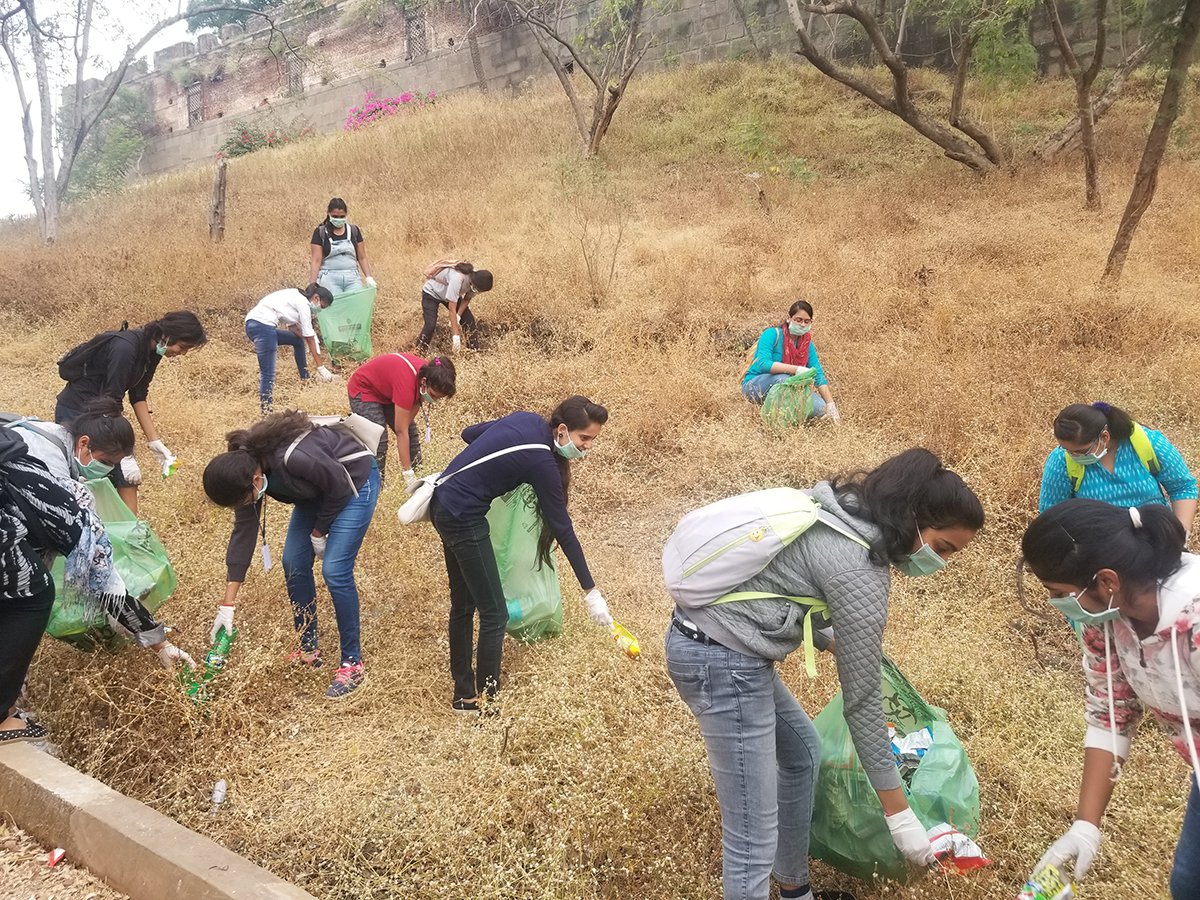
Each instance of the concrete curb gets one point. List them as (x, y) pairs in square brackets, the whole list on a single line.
[(132, 847)]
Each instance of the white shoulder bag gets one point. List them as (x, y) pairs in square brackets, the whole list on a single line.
[(416, 507)]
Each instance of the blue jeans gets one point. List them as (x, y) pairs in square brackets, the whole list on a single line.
[(755, 390), (345, 536), (266, 340), (339, 280), (764, 754), (1185, 875)]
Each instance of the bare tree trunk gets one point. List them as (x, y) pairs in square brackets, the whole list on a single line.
[(1066, 139), (983, 155), (26, 128), (49, 184), (1146, 180), (477, 62), (216, 207), (901, 29)]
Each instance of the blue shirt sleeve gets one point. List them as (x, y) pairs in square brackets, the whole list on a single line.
[(473, 431), (769, 350), (1173, 473), (1056, 484), (815, 363)]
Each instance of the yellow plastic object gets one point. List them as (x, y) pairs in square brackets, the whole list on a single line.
[(626, 642), (170, 469)]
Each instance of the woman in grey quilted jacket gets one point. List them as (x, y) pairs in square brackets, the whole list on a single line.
[(911, 513)]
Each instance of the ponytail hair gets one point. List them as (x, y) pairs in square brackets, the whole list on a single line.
[(902, 496), (103, 422), (576, 413), (176, 327), (439, 375), (1083, 424), (229, 477), (1073, 540)]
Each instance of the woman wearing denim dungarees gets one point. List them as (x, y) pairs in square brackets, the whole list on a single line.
[(338, 252)]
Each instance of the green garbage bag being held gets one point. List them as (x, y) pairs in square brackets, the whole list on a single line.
[(534, 597), (790, 402), (848, 827), (346, 325), (139, 559)]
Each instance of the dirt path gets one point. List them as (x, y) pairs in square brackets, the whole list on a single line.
[(24, 874)]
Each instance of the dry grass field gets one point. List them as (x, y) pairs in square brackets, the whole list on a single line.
[(954, 312)]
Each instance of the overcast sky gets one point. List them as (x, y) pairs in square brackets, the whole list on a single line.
[(117, 28)]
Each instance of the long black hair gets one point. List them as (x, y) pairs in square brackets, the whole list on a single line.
[(103, 422), (902, 496), (439, 375), (1073, 540), (229, 477), (1083, 424), (176, 327), (576, 413)]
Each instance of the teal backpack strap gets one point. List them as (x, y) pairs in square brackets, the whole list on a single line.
[(814, 604)]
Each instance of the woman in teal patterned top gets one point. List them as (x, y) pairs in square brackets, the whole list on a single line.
[(1102, 454)]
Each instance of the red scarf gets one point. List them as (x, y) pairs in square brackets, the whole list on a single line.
[(795, 354)]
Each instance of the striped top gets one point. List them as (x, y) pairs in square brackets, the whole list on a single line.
[(1130, 484)]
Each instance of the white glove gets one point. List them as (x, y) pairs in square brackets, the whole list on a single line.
[(371, 282), (1080, 843), (908, 834), (165, 456), (410, 478), (324, 374), (831, 410), (130, 470), (455, 344), (597, 608), (168, 653), (224, 618), (319, 545)]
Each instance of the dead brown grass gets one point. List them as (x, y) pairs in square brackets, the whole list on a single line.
[(952, 312)]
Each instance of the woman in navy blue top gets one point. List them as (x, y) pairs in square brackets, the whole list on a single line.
[(527, 450)]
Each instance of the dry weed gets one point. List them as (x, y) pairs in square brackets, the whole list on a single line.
[(951, 311)]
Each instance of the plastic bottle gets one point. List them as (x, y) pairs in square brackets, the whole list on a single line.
[(220, 649), (626, 642), (1046, 884), (195, 683), (218, 796)]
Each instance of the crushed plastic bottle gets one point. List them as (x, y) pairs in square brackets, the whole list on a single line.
[(626, 642), (218, 796), (1046, 883)]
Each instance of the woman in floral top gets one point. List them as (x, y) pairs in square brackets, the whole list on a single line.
[(1122, 573)]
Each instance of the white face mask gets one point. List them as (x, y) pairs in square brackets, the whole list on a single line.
[(795, 329)]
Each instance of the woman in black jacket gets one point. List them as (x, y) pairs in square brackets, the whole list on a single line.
[(116, 363), (332, 482)]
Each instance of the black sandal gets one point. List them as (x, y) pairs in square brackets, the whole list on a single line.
[(31, 732)]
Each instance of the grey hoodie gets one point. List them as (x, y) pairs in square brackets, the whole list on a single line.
[(826, 564)]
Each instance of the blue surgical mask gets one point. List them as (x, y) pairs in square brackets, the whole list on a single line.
[(1088, 458), (797, 330), (94, 469), (924, 562), (161, 349), (337, 223), (262, 490), (1070, 607), (568, 450)]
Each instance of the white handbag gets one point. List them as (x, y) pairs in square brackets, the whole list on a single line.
[(416, 507)]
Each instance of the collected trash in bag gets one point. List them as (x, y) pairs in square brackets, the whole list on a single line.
[(531, 588), (139, 559), (910, 750), (849, 830), (346, 325), (956, 853), (790, 402), (1046, 883)]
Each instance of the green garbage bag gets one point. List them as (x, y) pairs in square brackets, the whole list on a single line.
[(140, 560), (346, 325), (534, 599), (790, 402), (848, 827)]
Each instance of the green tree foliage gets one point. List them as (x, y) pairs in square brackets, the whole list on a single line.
[(212, 20), (112, 148)]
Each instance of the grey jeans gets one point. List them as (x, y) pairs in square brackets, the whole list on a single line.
[(764, 754), (385, 414)]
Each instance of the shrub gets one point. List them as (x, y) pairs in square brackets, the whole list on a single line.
[(375, 108), (247, 137)]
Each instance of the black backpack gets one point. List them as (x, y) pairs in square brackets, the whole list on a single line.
[(74, 363), (352, 232)]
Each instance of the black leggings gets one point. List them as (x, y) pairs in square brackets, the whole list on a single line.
[(22, 624), (429, 308)]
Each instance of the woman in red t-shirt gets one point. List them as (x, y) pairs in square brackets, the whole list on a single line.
[(389, 389)]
